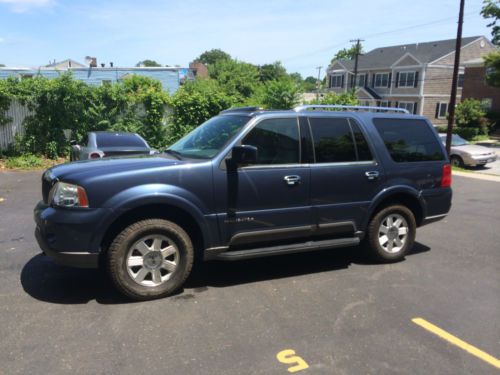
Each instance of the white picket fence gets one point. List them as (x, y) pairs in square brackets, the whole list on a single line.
[(17, 113)]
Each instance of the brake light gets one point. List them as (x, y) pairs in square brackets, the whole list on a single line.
[(95, 155), (446, 177)]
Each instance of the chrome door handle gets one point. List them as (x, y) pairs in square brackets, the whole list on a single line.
[(372, 175), (292, 180)]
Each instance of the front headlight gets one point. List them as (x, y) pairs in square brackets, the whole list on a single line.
[(68, 195)]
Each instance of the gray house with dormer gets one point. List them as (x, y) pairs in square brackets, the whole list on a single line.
[(412, 76)]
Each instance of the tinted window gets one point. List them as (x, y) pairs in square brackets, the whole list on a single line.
[(364, 153), (333, 141), (118, 140), (409, 140), (277, 141)]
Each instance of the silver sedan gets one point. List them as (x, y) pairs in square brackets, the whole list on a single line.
[(464, 154)]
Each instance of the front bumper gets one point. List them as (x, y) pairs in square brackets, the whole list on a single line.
[(475, 161), (70, 236)]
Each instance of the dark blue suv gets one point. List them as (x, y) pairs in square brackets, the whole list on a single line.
[(249, 183)]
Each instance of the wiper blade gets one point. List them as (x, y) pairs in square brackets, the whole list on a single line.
[(177, 154)]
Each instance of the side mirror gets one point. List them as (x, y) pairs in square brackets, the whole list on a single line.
[(244, 154)]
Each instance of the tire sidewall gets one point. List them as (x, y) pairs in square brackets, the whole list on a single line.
[(121, 246), (376, 249)]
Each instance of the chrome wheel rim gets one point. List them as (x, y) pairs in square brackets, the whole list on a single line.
[(152, 260), (392, 233)]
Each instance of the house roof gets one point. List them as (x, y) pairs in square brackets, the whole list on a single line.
[(66, 64), (385, 57)]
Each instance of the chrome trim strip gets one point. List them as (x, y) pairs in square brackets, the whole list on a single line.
[(435, 216)]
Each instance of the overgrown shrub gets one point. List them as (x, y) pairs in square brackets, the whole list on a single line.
[(331, 98), (470, 113)]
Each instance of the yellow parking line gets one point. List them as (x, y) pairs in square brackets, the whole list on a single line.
[(456, 341)]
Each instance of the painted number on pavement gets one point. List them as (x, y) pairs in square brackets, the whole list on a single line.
[(288, 357)]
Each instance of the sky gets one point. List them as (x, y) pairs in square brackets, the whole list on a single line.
[(302, 34)]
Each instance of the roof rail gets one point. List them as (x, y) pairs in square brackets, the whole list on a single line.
[(302, 108), (242, 109)]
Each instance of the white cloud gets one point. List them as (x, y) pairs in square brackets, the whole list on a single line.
[(22, 6)]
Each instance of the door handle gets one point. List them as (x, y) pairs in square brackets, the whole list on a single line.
[(372, 175), (292, 180)]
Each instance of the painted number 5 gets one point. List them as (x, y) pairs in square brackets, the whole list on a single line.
[(288, 357)]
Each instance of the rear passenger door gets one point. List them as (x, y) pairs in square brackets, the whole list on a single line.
[(345, 175)]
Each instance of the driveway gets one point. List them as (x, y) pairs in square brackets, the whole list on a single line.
[(329, 312)]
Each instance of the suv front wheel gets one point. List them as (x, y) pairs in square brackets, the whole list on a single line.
[(391, 233), (150, 259)]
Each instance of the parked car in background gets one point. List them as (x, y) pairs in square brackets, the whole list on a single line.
[(104, 144), (464, 154)]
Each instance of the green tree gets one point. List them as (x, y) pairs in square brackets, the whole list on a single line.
[(348, 53), (148, 63), (281, 94), (272, 72), (194, 103), (470, 114), (237, 78), (212, 56), (331, 98), (491, 10), (310, 84), (492, 63)]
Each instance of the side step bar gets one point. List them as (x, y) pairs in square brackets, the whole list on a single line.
[(286, 249)]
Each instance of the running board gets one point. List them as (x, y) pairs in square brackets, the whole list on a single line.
[(286, 249)]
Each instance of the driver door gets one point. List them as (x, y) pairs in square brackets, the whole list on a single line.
[(266, 202)]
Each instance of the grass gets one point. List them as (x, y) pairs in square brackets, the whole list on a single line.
[(28, 162)]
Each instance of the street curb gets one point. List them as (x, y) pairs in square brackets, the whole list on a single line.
[(478, 176)]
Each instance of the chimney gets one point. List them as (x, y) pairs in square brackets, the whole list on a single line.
[(111, 64), (91, 61), (102, 65)]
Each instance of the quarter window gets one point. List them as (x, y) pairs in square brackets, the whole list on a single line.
[(409, 140), (335, 141), (277, 141)]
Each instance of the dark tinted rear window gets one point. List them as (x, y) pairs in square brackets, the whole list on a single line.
[(118, 140), (409, 140)]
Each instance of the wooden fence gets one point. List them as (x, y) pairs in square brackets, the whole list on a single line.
[(17, 113)]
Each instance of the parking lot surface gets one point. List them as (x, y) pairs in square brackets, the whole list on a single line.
[(329, 312)]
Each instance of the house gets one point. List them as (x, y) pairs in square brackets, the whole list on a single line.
[(413, 76), (476, 87), (170, 77)]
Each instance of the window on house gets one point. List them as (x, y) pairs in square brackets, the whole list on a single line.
[(460, 82), (487, 103), (336, 80), (106, 82), (361, 80), (442, 110), (26, 76), (406, 79), (409, 106), (381, 79)]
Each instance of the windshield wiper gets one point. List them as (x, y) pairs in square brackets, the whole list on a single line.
[(177, 154)]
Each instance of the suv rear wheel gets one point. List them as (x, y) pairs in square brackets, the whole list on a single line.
[(150, 259), (391, 233)]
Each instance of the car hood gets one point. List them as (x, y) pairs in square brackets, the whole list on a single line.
[(473, 149), (84, 169)]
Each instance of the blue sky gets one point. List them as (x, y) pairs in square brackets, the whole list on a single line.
[(302, 34)]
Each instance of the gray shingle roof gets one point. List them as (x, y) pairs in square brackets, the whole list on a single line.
[(384, 57)]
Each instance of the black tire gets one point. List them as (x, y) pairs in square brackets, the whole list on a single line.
[(375, 249), (457, 161), (122, 246)]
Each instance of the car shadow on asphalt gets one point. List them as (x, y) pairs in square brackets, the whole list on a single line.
[(46, 281)]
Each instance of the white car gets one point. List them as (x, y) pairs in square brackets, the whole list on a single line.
[(464, 154)]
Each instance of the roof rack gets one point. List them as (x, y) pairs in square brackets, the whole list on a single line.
[(302, 108), (242, 109)]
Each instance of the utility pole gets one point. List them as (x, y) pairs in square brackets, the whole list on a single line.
[(358, 52), (453, 99), (318, 82)]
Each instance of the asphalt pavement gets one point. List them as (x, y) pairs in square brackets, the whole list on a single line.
[(329, 312)]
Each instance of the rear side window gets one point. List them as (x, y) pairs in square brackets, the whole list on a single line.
[(409, 140), (277, 141), (118, 140), (338, 140)]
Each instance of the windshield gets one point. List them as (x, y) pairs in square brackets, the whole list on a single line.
[(456, 140), (208, 139)]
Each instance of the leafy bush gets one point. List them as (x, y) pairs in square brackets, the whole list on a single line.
[(26, 161), (470, 113), (331, 98), (280, 94), (469, 133)]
